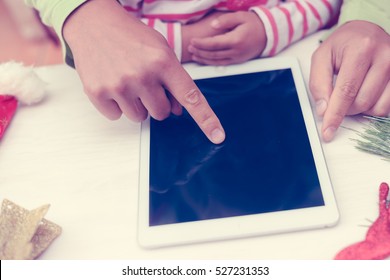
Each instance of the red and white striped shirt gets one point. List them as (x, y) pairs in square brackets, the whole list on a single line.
[(285, 22)]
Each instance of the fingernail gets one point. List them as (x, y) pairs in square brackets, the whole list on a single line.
[(321, 106), (329, 133), (217, 136), (215, 23)]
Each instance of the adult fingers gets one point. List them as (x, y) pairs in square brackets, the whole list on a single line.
[(107, 107), (352, 72), (155, 101), (115, 99), (132, 107), (321, 78), (176, 108), (382, 106), (370, 91), (183, 88)]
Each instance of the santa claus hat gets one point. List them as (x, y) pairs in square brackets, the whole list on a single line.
[(18, 84)]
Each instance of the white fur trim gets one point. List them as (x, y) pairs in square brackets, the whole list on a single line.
[(22, 82)]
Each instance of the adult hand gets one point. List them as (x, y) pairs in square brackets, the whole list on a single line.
[(125, 67), (243, 38), (358, 52)]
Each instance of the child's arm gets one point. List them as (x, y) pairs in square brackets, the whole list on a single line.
[(274, 29), (292, 20)]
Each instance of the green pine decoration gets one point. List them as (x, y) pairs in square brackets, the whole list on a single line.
[(375, 138)]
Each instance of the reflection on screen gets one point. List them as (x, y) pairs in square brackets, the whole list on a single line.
[(264, 165)]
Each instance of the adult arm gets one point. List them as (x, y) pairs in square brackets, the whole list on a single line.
[(126, 67), (54, 13), (358, 52)]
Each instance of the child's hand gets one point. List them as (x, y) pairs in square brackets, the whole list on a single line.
[(199, 29), (126, 67), (243, 38)]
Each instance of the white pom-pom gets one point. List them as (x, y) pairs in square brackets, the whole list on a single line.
[(22, 82)]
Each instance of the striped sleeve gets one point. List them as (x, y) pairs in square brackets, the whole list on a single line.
[(171, 32), (292, 20)]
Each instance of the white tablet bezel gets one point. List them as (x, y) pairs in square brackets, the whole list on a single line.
[(241, 226)]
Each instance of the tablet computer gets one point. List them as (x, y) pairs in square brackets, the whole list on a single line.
[(268, 176)]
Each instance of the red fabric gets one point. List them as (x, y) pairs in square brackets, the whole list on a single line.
[(376, 246), (8, 106)]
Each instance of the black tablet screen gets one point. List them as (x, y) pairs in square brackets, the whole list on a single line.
[(264, 165)]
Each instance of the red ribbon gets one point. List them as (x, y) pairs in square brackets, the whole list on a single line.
[(8, 105)]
